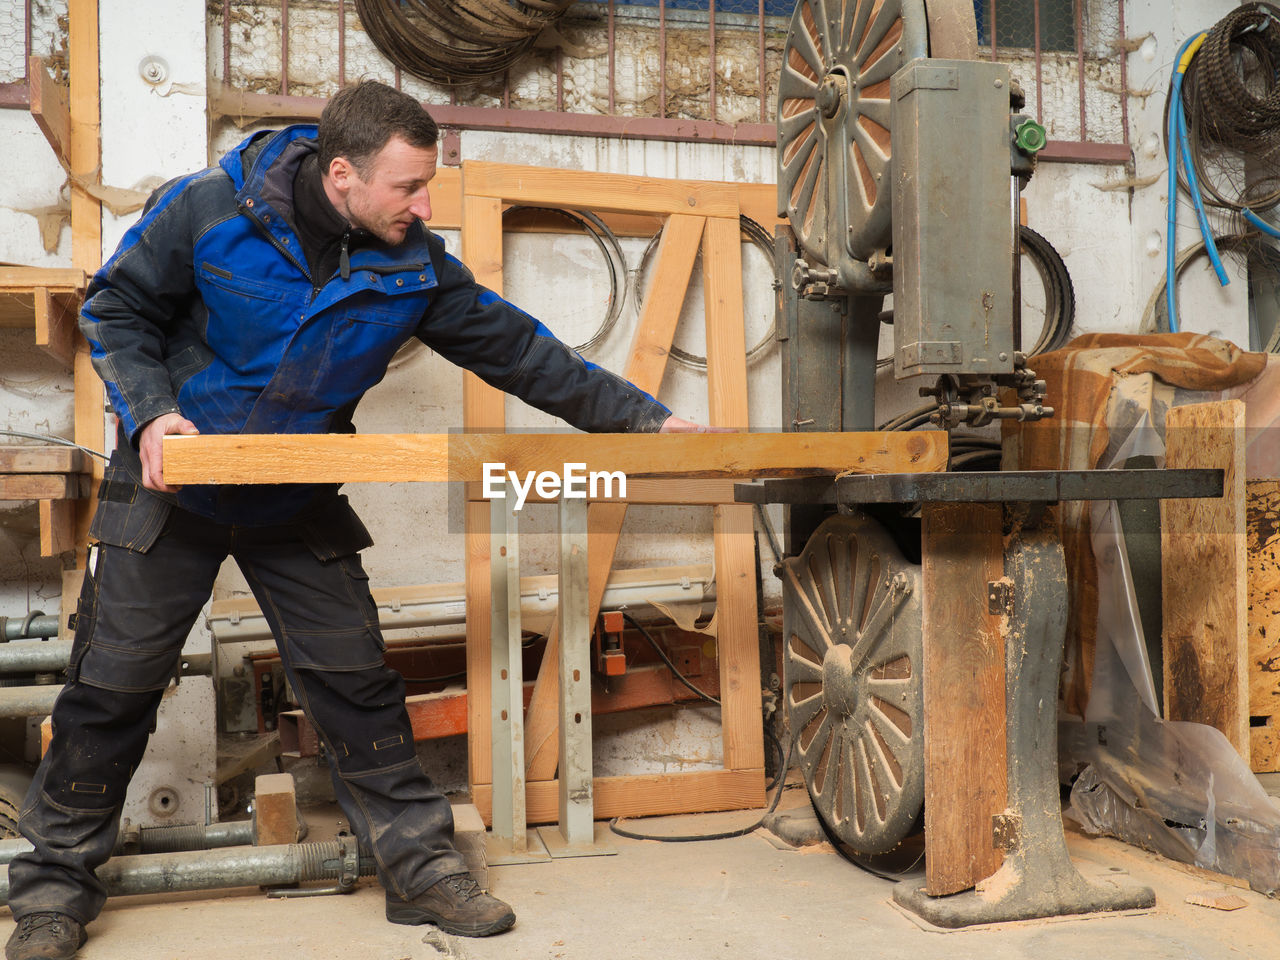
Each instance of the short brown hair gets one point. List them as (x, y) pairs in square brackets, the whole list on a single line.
[(359, 120)]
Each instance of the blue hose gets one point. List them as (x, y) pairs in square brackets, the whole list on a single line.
[(1261, 224), (1176, 136)]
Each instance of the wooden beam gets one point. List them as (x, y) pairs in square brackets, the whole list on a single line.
[(1202, 545), (726, 336), (1263, 546), (479, 656), (580, 189), (643, 795), (57, 527), (482, 405), (85, 154), (963, 674), (55, 279), (677, 251), (42, 486), (736, 613), (86, 231), (398, 458), (50, 458), (51, 109), (56, 330), (759, 201)]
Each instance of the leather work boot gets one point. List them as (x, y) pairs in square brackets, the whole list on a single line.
[(456, 905), (45, 936)]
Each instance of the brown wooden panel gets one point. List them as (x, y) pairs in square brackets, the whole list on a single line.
[(964, 694), (1202, 544), (1262, 520)]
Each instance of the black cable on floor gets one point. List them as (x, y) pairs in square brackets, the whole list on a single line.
[(726, 835)]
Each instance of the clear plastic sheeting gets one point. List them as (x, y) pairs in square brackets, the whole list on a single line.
[(1177, 788)]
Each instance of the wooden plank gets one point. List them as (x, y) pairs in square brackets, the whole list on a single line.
[(86, 231), (580, 189), (41, 486), (55, 319), (1262, 537), (57, 527), (736, 612), (479, 656), (737, 637), (964, 694), (91, 432), (1202, 543), (49, 458), (85, 155), (677, 251), (759, 201), (397, 458), (644, 795), (726, 336), (482, 405), (50, 109), (55, 279)]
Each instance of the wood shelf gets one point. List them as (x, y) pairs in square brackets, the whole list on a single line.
[(46, 299), (55, 476)]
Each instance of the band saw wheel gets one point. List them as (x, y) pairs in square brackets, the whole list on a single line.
[(834, 142), (852, 680)]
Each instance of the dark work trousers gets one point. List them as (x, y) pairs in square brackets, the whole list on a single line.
[(135, 613)]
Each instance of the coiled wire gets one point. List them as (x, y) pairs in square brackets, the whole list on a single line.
[(456, 41)]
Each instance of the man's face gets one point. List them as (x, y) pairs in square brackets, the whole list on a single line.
[(392, 193)]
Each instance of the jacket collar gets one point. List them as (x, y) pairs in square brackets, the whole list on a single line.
[(262, 169)]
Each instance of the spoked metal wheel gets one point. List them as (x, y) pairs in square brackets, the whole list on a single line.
[(833, 120), (852, 680)]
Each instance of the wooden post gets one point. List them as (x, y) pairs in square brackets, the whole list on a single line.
[(965, 782), (1202, 544)]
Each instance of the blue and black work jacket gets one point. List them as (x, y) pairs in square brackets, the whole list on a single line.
[(208, 309)]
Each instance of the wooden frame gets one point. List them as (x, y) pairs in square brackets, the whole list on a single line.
[(699, 216)]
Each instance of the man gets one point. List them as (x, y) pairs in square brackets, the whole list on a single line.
[(266, 295)]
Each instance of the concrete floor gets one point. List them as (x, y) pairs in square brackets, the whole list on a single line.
[(743, 899)]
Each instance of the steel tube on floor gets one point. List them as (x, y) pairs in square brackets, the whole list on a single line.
[(217, 869), (166, 839)]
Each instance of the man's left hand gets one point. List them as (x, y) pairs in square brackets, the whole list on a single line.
[(674, 424)]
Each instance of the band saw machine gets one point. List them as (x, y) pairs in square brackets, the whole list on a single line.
[(901, 158)]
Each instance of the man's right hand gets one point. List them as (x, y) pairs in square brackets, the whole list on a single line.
[(150, 447)]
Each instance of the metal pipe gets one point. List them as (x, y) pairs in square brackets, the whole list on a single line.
[(711, 54), (33, 626), (284, 48), (37, 701), (1079, 29), (163, 839), (342, 43), (54, 655), (412, 607), (230, 867)]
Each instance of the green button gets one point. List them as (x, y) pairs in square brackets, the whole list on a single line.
[(1029, 137)]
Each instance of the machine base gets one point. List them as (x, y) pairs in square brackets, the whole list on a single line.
[(1008, 896)]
